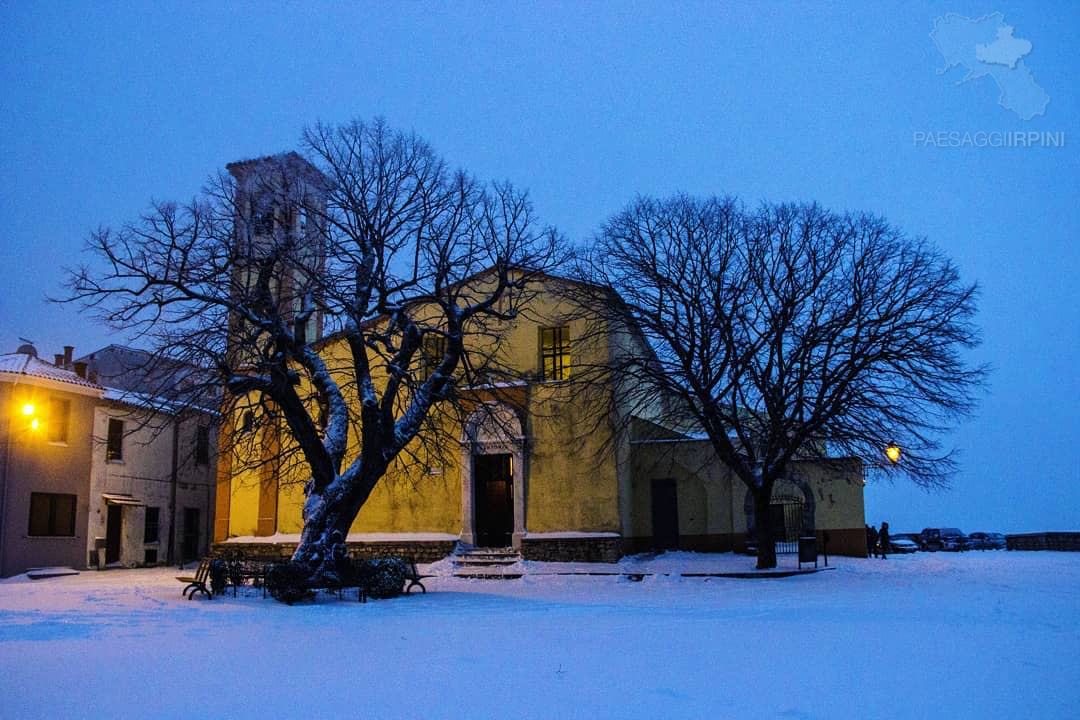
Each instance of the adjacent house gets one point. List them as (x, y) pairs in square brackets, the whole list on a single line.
[(93, 473)]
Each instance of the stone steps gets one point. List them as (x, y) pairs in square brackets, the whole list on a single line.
[(474, 561), (486, 563)]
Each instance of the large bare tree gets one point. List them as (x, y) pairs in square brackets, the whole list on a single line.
[(340, 297), (785, 332)]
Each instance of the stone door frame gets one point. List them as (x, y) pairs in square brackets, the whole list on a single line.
[(494, 428)]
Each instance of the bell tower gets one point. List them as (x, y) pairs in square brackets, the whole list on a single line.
[(279, 219)]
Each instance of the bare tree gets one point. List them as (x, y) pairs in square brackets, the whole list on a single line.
[(342, 299), (786, 332)]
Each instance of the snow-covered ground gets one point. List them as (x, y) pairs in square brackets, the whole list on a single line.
[(976, 635)]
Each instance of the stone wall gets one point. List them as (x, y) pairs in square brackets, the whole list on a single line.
[(603, 549), (1068, 541), (421, 551)]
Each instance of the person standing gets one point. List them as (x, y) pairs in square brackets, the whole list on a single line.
[(871, 541), (883, 538)]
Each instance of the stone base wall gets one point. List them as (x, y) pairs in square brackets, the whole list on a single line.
[(606, 549), (421, 551), (1067, 541), (844, 541)]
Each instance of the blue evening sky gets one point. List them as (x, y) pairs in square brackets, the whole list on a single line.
[(107, 105)]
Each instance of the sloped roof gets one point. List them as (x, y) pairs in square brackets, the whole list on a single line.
[(21, 364)]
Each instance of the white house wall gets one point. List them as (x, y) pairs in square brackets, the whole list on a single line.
[(145, 473)]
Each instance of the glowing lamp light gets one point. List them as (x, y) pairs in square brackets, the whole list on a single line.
[(893, 453), (34, 424), (28, 409)]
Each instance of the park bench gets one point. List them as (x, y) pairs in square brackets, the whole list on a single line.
[(414, 578), (197, 582)]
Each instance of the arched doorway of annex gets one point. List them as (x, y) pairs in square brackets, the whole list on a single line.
[(493, 458)]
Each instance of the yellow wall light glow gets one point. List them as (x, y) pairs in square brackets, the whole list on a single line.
[(893, 453), (28, 409)]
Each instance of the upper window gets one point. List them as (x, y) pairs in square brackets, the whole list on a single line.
[(431, 355), (59, 418), (555, 353), (114, 446), (202, 445), (52, 514)]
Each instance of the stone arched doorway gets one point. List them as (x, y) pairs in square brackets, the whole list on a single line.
[(493, 473), (794, 507)]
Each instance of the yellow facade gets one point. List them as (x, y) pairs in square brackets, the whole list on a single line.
[(574, 477)]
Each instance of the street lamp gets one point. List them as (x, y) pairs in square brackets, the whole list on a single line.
[(893, 453), (28, 410)]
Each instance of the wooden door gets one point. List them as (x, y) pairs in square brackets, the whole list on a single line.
[(493, 484), (665, 514), (114, 523), (190, 547)]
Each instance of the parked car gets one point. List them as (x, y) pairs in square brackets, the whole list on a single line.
[(953, 539), (903, 543), (934, 539), (986, 541), (930, 539)]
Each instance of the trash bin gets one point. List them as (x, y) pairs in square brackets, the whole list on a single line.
[(808, 550)]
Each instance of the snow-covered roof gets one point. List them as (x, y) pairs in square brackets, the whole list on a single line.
[(145, 401), (29, 366)]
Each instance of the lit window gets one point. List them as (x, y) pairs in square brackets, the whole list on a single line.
[(114, 445), (555, 353)]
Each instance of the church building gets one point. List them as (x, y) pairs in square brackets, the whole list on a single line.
[(530, 465)]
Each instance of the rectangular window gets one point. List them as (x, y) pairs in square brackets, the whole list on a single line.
[(555, 353), (52, 514), (151, 527), (59, 419), (114, 447), (202, 445), (431, 354), (263, 221)]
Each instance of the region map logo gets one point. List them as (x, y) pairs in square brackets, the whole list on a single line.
[(987, 47)]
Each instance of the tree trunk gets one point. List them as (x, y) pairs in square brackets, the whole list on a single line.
[(322, 542), (766, 546)]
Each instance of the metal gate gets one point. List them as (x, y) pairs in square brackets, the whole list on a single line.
[(787, 524)]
